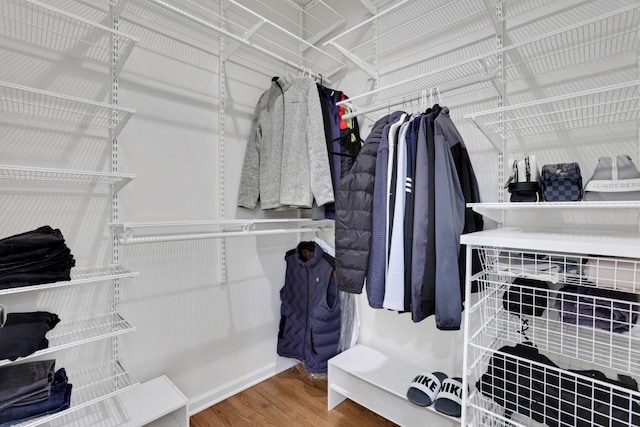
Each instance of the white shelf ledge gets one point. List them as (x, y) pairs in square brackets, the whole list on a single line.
[(90, 387), (79, 332), (595, 107), (118, 180), (154, 232), (34, 22), (377, 382), (23, 100), (79, 275), (495, 210), (588, 242)]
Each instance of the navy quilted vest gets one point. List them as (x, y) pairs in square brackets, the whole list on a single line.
[(310, 310)]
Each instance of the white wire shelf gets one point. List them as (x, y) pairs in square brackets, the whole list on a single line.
[(592, 243), (596, 107), (495, 210), (79, 332), (37, 23), (79, 276), (90, 387), (154, 232), (118, 180), (595, 38), (621, 274), (553, 395), (611, 339), (408, 28), (248, 28), (17, 99)]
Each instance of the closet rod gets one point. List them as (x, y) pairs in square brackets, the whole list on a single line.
[(130, 240), (444, 88), (169, 7)]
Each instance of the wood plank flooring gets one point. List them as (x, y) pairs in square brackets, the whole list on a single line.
[(289, 399)]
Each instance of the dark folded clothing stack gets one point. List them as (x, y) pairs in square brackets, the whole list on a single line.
[(24, 333), (31, 390), (33, 258)]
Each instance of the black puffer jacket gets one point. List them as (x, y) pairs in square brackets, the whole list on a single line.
[(354, 203)]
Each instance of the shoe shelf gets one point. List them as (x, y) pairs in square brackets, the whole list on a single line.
[(41, 104), (79, 275), (603, 348), (598, 37), (379, 383), (495, 210), (595, 107), (90, 387), (154, 232), (118, 180), (37, 23), (79, 332)]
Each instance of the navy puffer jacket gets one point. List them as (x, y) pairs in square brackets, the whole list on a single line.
[(354, 216)]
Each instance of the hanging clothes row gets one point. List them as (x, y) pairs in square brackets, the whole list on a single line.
[(298, 147), (400, 213)]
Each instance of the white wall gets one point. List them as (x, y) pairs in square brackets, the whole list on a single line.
[(212, 338)]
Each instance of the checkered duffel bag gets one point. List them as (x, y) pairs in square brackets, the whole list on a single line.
[(561, 182)]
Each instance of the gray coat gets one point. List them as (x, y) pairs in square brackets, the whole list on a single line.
[(286, 162)]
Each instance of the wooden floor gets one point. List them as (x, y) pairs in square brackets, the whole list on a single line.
[(289, 399)]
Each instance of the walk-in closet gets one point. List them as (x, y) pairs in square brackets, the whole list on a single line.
[(319, 212)]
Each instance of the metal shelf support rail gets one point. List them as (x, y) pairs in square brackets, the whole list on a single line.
[(245, 40), (225, 228)]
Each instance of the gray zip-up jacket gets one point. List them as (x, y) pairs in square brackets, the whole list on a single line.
[(286, 162)]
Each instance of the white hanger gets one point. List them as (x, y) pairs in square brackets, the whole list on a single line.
[(439, 96), (423, 100)]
